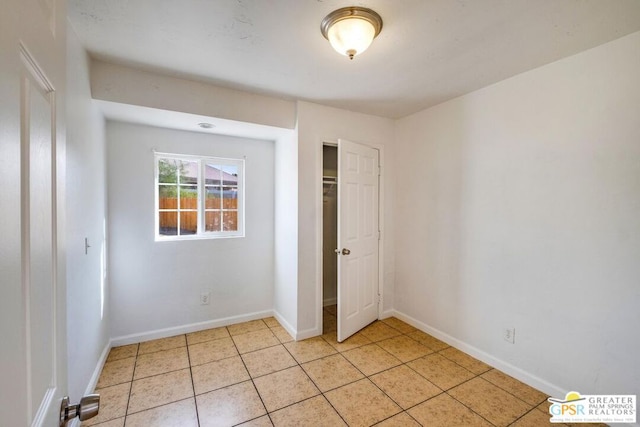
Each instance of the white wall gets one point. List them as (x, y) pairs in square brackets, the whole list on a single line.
[(237, 113), (157, 285), (519, 206), (110, 82), (285, 295), (318, 124), (87, 290)]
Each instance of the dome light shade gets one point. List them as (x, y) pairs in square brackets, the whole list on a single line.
[(351, 30)]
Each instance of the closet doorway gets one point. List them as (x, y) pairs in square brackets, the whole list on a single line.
[(329, 228), (351, 236)]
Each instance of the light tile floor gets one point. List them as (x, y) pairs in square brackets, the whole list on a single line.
[(255, 374)]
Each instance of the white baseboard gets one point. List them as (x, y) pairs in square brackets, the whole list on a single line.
[(286, 325), (93, 381), (168, 332), (96, 372), (185, 329), (524, 376), (386, 314), (308, 333)]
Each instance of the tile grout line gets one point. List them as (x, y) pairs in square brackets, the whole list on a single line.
[(251, 379), (96, 389), (507, 391), (479, 375), (372, 382), (314, 383), (402, 410), (524, 415), (325, 339), (239, 355), (405, 363), (458, 385), (471, 409), (157, 375), (444, 391), (193, 385), (133, 375), (463, 382), (368, 377), (465, 405)]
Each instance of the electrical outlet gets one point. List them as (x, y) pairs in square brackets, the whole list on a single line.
[(204, 298), (509, 335)]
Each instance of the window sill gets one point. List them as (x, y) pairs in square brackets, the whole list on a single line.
[(198, 237)]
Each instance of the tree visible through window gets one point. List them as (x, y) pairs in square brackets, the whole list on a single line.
[(198, 196)]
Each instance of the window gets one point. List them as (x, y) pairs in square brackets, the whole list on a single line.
[(198, 197)]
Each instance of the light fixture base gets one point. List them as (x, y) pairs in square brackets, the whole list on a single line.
[(351, 12)]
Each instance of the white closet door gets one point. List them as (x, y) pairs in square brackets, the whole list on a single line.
[(358, 234)]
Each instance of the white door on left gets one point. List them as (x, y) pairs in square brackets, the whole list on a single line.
[(33, 308)]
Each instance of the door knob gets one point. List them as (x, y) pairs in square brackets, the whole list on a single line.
[(346, 251), (88, 407)]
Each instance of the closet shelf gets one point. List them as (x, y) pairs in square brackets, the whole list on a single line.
[(327, 179)]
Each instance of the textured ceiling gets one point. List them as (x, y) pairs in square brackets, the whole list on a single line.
[(429, 51)]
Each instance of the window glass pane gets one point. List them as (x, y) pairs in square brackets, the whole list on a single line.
[(212, 220), (188, 172), (230, 197), (212, 174), (168, 171), (230, 221), (213, 198), (188, 222), (168, 196), (190, 186), (168, 224), (229, 174), (190, 191), (188, 197)]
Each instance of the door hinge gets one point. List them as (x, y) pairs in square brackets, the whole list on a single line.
[(379, 170), (379, 235)]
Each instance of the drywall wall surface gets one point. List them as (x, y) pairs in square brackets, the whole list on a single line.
[(116, 83), (518, 206), (87, 286), (285, 295), (157, 285), (318, 124)]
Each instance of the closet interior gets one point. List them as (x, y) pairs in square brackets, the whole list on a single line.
[(329, 225)]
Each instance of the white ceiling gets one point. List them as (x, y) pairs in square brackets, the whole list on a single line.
[(428, 51)]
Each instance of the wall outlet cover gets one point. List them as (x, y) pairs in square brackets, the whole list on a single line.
[(204, 298), (509, 335)]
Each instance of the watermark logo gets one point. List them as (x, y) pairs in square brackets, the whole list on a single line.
[(577, 408)]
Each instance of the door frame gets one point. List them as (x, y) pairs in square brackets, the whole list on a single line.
[(319, 225)]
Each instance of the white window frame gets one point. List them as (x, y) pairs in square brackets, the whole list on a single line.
[(201, 161)]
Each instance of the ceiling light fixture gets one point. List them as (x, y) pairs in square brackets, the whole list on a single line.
[(351, 30)]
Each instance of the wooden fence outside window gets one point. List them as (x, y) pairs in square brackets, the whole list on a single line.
[(189, 215)]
